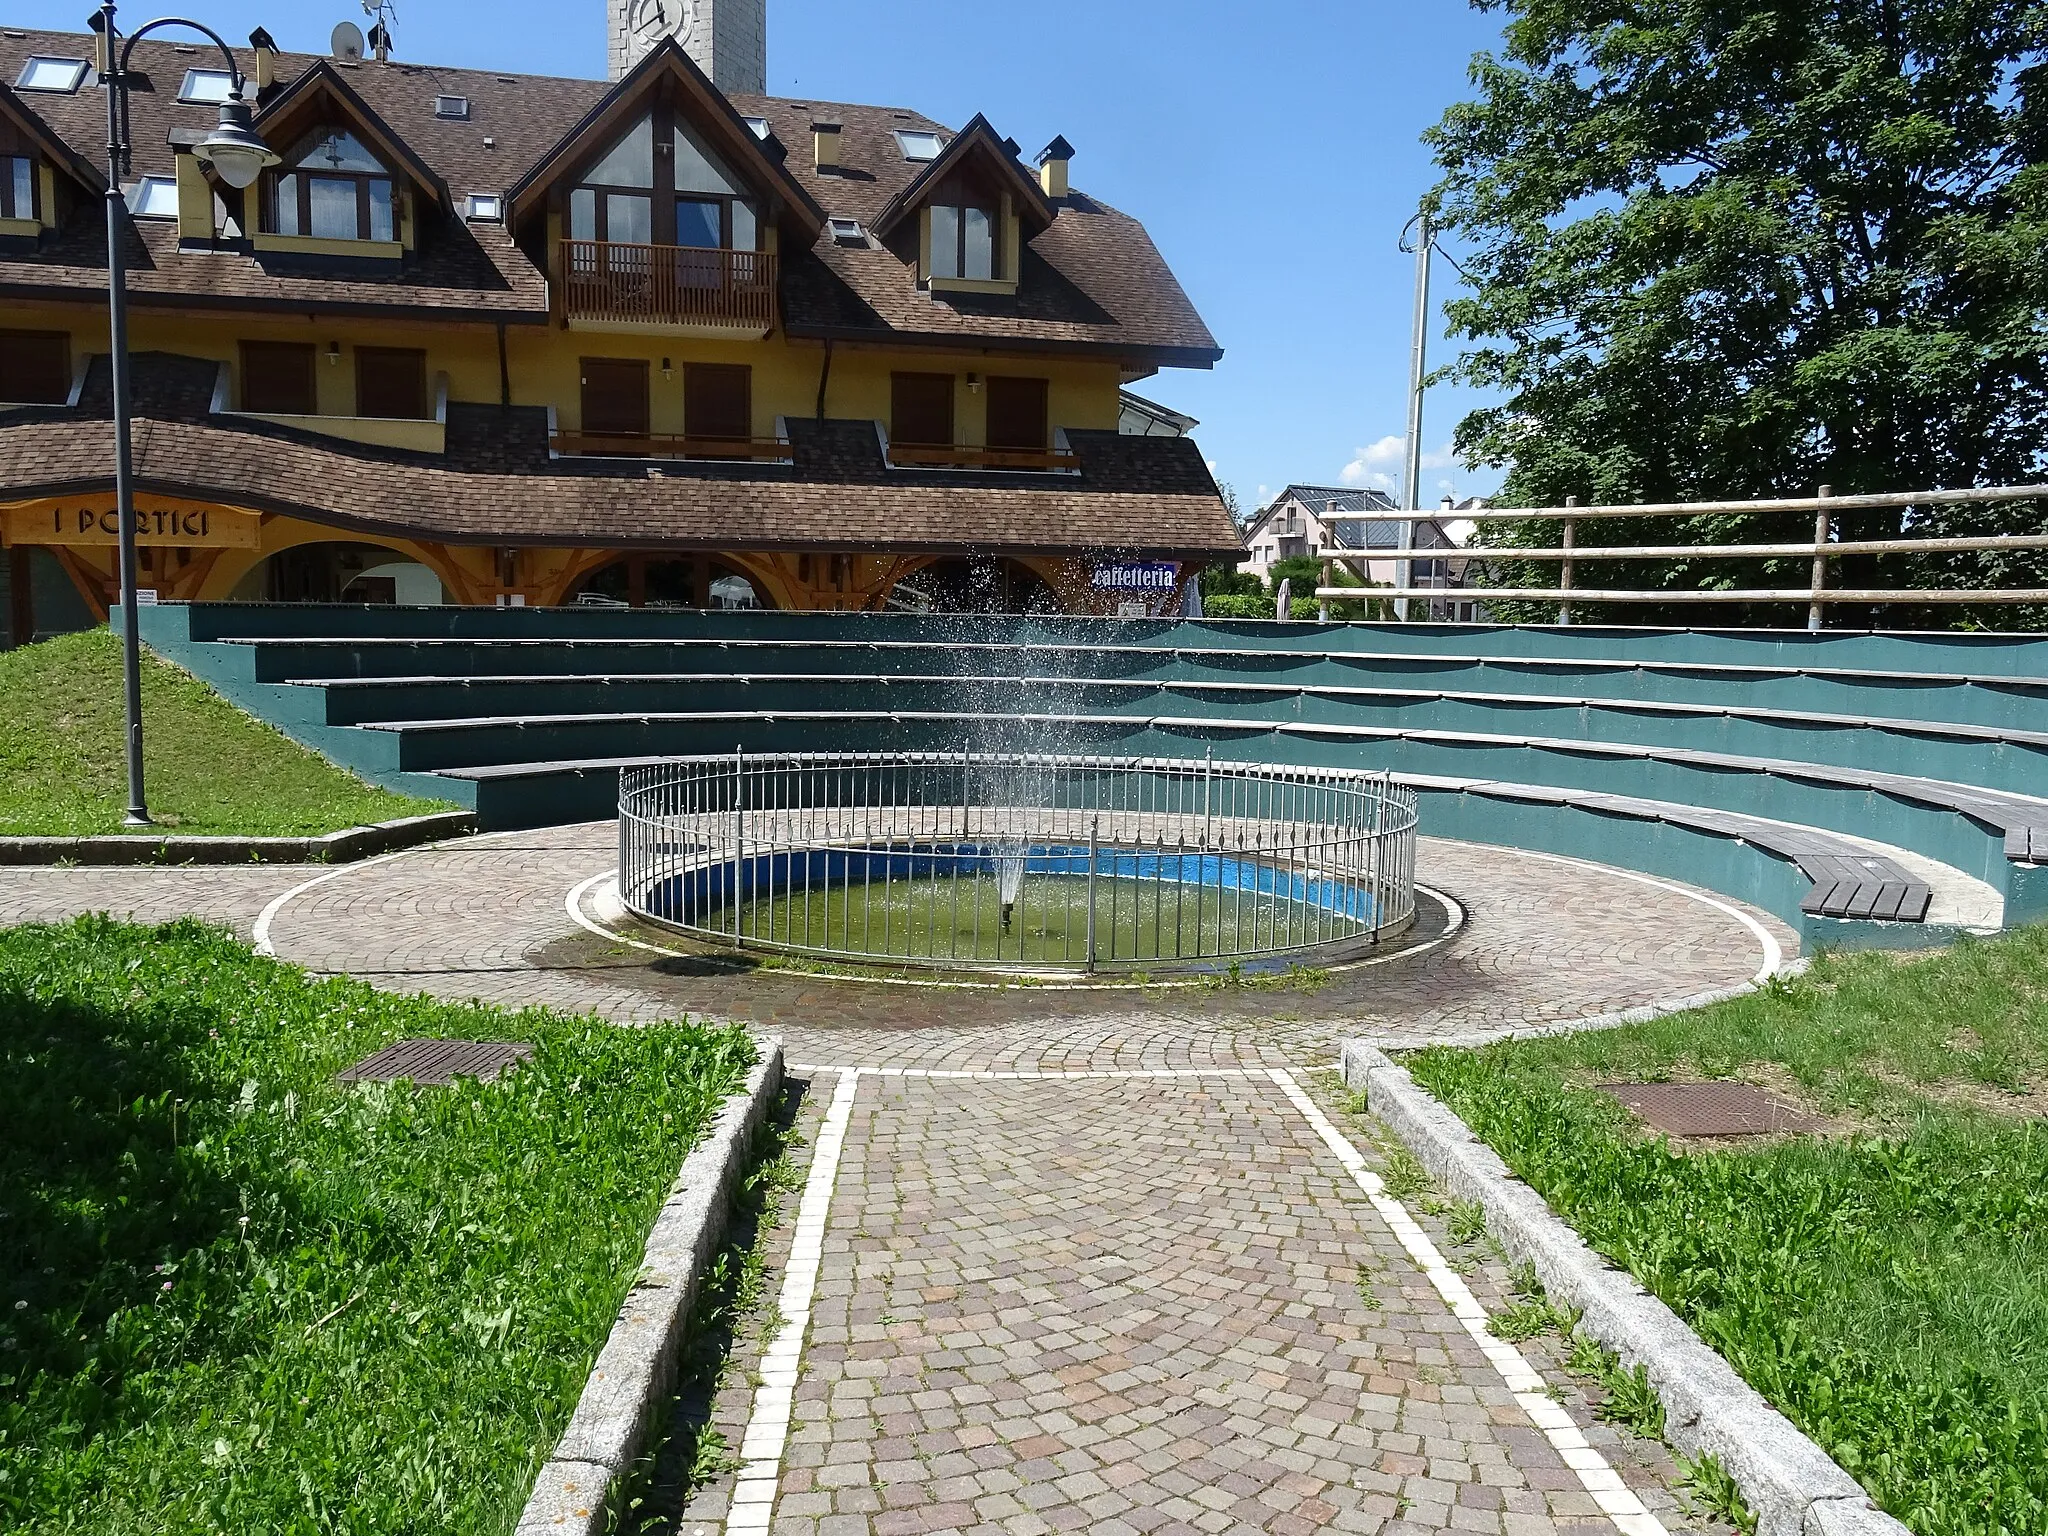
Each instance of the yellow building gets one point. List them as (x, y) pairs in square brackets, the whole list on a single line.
[(483, 338)]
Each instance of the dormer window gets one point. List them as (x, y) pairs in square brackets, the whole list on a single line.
[(17, 187), (963, 242), (682, 196), (43, 73), (330, 188), (918, 144), (154, 197), (206, 85)]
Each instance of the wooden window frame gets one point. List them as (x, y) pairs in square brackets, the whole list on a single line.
[(996, 382), (693, 372), (388, 354), (277, 348), (952, 409), (34, 212), (303, 190), (16, 396), (646, 397), (662, 195)]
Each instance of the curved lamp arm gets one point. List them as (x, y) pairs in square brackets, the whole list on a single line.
[(102, 22)]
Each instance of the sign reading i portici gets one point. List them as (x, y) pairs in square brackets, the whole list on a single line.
[(158, 521), (1136, 576)]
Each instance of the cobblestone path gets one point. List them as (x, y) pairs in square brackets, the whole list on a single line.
[(1163, 1297)]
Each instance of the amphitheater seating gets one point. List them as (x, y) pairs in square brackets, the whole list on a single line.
[(1865, 788)]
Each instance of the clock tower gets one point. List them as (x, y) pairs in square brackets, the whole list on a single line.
[(727, 38)]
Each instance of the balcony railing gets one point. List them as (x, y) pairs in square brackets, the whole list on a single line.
[(658, 445), (964, 456), (668, 285)]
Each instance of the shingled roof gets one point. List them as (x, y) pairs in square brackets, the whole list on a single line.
[(1091, 281), (496, 483)]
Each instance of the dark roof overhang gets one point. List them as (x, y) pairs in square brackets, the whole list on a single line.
[(296, 106), (735, 140), (976, 143)]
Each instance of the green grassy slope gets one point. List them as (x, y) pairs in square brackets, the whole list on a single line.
[(1885, 1285), (236, 1295), (207, 766)]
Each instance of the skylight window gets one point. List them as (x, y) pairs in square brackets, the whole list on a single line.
[(154, 197), (759, 125), (207, 85), (43, 73), (484, 205), (917, 144), (451, 106), (847, 231)]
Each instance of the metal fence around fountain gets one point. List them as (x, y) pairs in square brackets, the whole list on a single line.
[(1018, 862)]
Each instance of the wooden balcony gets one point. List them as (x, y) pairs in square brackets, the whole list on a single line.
[(967, 456), (657, 445), (668, 287)]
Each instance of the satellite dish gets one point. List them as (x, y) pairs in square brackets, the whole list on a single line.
[(347, 41)]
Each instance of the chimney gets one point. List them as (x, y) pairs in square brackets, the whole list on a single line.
[(1052, 166), (825, 142), (266, 59)]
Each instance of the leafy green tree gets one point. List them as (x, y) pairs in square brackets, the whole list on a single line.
[(1742, 248)]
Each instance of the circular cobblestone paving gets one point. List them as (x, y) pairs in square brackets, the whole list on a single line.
[(1150, 1299)]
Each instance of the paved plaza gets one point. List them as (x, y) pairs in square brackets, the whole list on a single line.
[(1102, 1260)]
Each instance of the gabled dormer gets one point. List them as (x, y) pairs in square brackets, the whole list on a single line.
[(663, 210), (346, 185), (965, 218), (43, 181)]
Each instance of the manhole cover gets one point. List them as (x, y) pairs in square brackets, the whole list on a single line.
[(437, 1061), (1712, 1109)]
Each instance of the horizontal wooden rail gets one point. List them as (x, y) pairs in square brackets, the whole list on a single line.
[(619, 283), (1703, 594), (971, 456), (1751, 551), (1697, 508), (626, 445)]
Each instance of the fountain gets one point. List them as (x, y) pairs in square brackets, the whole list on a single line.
[(1024, 863)]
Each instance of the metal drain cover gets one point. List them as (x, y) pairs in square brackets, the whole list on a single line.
[(1712, 1109), (438, 1061)]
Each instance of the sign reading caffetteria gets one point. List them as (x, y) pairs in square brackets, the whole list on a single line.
[(158, 520), (1137, 576)]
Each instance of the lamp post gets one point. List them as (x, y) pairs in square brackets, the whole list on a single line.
[(238, 157)]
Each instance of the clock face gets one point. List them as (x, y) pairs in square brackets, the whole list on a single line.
[(650, 20)]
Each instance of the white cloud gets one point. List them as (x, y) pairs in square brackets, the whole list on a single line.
[(1212, 465), (1377, 463)]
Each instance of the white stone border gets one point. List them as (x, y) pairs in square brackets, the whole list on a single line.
[(637, 1365), (767, 1436), (1794, 1487), (1614, 1497)]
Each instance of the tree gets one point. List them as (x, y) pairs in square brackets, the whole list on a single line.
[(1743, 248)]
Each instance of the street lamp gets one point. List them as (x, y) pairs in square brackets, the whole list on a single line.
[(238, 156)]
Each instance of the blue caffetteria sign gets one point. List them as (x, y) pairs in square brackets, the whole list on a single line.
[(1137, 576)]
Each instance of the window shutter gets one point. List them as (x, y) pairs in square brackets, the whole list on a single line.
[(1016, 413), (35, 367), (921, 408), (615, 396), (391, 381), (277, 377), (718, 401)]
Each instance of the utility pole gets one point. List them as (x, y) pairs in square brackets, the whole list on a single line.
[(1411, 480)]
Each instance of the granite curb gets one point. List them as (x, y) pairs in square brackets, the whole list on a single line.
[(333, 848), (637, 1365), (1794, 1487)]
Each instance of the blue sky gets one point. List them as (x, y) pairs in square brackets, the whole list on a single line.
[(1271, 147)]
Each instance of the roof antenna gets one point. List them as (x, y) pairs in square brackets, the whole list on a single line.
[(381, 14)]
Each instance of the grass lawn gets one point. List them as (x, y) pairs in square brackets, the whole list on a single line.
[(1885, 1286), (207, 766), (236, 1296)]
